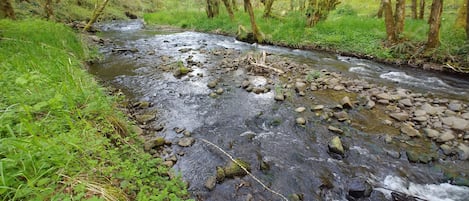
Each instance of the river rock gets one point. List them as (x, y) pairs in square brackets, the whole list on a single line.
[(317, 107), (420, 119), (431, 133), (409, 130), (384, 96), (210, 183), (429, 109), (456, 122), (447, 150), (406, 102), (258, 90), (392, 153), (301, 121), (168, 164), (370, 104), (212, 84), (232, 169), (219, 91), (245, 84), (346, 103), (455, 106), (155, 142), (465, 115), (279, 97), (419, 113), (341, 116), (446, 136), (144, 118), (359, 188), (186, 141), (418, 157), (335, 129), (300, 86), (300, 109), (463, 151), (401, 116), (335, 146)]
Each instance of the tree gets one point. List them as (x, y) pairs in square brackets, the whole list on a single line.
[(413, 8), (467, 19), (48, 9), (96, 13), (213, 8), (435, 23), (234, 5), (400, 16), (229, 9), (380, 10), (391, 36), (422, 9), (267, 7), (257, 34), (6, 9), (319, 10)]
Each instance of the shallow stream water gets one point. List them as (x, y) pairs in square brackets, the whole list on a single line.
[(259, 129)]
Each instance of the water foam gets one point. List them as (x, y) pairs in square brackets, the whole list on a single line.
[(402, 77)]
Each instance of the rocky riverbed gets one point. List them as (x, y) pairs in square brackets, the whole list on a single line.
[(306, 130)]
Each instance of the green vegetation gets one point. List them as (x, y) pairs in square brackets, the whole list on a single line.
[(352, 28), (61, 137)]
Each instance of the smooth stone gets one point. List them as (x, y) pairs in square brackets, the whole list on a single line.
[(402, 116), (210, 183), (446, 136), (420, 119), (245, 84), (346, 103), (186, 141), (370, 104), (258, 90), (335, 129), (384, 96), (431, 133), (465, 115), (359, 188), (300, 86), (279, 97), (341, 116), (156, 142), (335, 146), (429, 109), (406, 102), (456, 122), (463, 151), (300, 109), (219, 91), (388, 139), (213, 95), (419, 113), (338, 88), (144, 118), (318, 107), (447, 150), (455, 106), (301, 121), (383, 102), (212, 84), (409, 130)]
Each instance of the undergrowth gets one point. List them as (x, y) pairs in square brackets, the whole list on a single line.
[(61, 137)]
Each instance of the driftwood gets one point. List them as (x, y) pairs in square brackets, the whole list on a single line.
[(261, 63), (267, 67)]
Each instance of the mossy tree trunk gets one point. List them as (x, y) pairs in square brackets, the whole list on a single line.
[(255, 30), (267, 7), (48, 9), (229, 9), (319, 10), (391, 36), (6, 9), (234, 4), (467, 20), (461, 18), (400, 16), (413, 8), (213, 8), (435, 23), (302, 4), (380, 10), (422, 9), (96, 13)]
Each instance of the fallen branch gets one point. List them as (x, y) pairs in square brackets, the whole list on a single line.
[(244, 169), (267, 67)]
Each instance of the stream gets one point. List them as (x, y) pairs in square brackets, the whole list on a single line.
[(291, 158)]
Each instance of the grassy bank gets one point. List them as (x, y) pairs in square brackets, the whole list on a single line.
[(61, 135), (347, 29)]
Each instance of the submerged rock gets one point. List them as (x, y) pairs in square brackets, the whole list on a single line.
[(359, 188), (210, 183), (279, 97), (409, 130), (300, 121), (401, 116), (186, 141), (212, 84)]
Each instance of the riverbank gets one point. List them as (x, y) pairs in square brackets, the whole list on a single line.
[(62, 135), (344, 32)]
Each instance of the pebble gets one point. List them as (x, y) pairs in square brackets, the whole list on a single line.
[(317, 107), (402, 116), (446, 136), (409, 130), (346, 103), (406, 102), (210, 183), (335, 129), (186, 141), (279, 97), (212, 84), (431, 133), (341, 116), (335, 146), (300, 109), (300, 121), (300, 86), (219, 91)]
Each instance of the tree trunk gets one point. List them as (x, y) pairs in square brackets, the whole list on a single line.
[(435, 22), (302, 4), (380, 10), (389, 21), (258, 36), (213, 8), (267, 7), (6, 9), (400, 16), (422, 9), (292, 5), (228, 9), (234, 5), (48, 9), (97, 12), (414, 9), (467, 20)]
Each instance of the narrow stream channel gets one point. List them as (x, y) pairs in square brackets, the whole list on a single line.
[(294, 160)]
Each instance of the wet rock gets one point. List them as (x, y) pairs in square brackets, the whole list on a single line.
[(300, 109), (249, 197), (210, 183), (465, 115), (258, 90), (317, 107), (431, 133), (245, 84), (181, 71), (250, 88), (233, 169), (370, 104), (335, 129), (137, 130), (264, 166), (409, 130), (359, 188), (429, 109), (401, 116), (279, 97), (384, 96), (300, 86), (456, 122), (387, 122), (213, 95), (406, 102), (141, 105), (463, 151), (420, 119), (186, 141), (346, 103), (145, 118), (341, 116), (296, 197), (219, 91), (212, 84), (300, 121), (178, 130), (388, 139), (187, 133), (417, 157), (419, 113), (455, 106), (156, 142), (335, 146), (392, 153), (447, 150), (446, 136), (383, 102)]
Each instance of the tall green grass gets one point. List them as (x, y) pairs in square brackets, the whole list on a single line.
[(60, 135)]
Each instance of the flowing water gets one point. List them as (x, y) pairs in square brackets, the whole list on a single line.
[(259, 130)]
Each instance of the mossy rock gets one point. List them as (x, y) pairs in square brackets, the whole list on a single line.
[(220, 174), (232, 169)]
